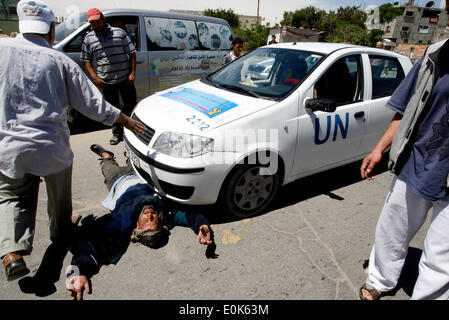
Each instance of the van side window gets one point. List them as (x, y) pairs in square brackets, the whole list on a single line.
[(170, 34), (386, 74), (342, 82), (214, 36), (128, 23)]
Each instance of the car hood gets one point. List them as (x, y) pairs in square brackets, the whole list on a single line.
[(196, 108)]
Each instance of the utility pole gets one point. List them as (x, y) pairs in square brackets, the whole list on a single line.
[(257, 19)]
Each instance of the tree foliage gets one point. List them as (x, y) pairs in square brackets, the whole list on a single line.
[(253, 37), (347, 24), (228, 15), (388, 12), (308, 18), (353, 15)]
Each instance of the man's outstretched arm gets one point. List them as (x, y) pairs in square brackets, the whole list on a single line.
[(371, 160)]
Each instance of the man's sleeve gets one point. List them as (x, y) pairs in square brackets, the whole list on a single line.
[(401, 97), (191, 220), (86, 98), (85, 54), (86, 259), (91, 255)]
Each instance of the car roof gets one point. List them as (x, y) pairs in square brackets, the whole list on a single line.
[(163, 14), (325, 47)]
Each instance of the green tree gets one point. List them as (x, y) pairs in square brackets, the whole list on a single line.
[(352, 15), (253, 37), (308, 18), (388, 12), (348, 32), (228, 15), (374, 36), (287, 18)]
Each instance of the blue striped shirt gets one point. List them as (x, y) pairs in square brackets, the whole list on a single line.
[(111, 51)]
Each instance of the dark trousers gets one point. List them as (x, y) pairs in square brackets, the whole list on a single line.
[(129, 97), (52, 262), (112, 171)]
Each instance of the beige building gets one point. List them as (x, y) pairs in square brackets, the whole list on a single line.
[(416, 25)]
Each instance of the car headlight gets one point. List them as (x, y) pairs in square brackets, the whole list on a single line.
[(183, 145)]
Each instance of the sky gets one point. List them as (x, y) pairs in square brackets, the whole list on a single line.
[(271, 10)]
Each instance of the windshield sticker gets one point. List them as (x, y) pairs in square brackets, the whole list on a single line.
[(206, 103)]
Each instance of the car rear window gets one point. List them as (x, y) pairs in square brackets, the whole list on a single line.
[(386, 73)]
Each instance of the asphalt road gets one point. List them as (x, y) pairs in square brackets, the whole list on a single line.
[(311, 244)]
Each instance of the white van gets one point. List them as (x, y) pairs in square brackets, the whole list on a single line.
[(277, 114), (171, 48)]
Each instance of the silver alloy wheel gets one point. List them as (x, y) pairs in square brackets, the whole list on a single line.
[(252, 189)]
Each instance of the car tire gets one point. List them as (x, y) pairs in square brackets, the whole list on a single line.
[(246, 192)]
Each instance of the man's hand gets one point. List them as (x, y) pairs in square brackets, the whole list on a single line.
[(76, 286), (91, 72), (131, 78), (204, 235), (97, 81), (368, 164), (135, 126)]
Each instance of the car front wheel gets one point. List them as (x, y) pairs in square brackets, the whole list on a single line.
[(248, 190)]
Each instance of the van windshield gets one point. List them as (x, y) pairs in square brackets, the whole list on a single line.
[(68, 26), (270, 73)]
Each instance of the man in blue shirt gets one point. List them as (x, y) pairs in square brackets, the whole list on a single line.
[(419, 156), (138, 215)]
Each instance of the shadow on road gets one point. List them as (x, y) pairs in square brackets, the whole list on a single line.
[(322, 183)]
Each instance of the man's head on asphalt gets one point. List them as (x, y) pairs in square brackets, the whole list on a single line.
[(96, 19), (148, 231), (36, 17)]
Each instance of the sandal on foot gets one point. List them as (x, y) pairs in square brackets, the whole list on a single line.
[(375, 294), (115, 140), (96, 148)]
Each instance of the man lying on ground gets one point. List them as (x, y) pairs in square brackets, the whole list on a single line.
[(138, 214)]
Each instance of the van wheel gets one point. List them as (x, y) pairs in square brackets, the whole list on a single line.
[(246, 192)]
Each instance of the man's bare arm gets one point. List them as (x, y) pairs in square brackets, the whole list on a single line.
[(371, 160), (91, 72)]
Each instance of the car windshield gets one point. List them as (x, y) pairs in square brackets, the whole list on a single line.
[(269, 73), (68, 26)]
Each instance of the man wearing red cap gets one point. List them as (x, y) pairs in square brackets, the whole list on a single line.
[(115, 56)]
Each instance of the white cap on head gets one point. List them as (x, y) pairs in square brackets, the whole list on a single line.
[(34, 16)]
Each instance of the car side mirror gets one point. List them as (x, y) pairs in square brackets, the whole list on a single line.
[(326, 105)]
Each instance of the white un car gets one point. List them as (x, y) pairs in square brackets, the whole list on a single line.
[(277, 114)]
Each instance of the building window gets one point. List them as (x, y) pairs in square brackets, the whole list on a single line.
[(431, 13), (409, 13), (423, 29)]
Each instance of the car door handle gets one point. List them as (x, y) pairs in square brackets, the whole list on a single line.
[(359, 114)]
